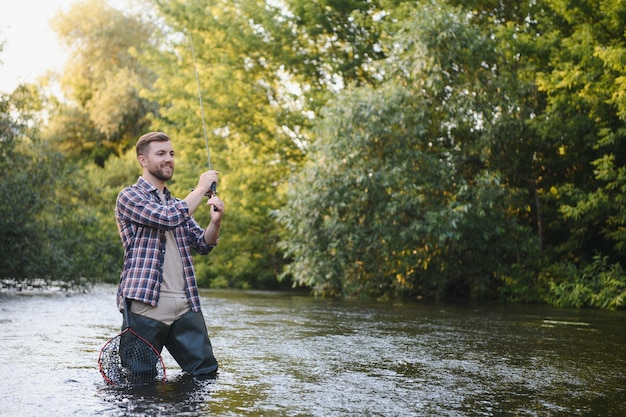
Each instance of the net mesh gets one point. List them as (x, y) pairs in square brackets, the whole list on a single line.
[(128, 359)]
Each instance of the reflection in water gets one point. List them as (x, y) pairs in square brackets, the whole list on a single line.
[(182, 396), (286, 355)]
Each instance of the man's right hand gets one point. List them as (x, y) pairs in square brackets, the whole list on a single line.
[(206, 181)]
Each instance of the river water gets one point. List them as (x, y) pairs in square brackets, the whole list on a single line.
[(291, 355)]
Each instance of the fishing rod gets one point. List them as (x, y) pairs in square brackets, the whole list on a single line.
[(206, 137)]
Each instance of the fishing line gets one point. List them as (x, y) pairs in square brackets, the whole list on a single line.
[(206, 137)]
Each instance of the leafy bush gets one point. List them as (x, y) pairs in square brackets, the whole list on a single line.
[(597, 284)]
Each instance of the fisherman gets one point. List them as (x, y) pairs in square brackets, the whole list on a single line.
[(158, 234)]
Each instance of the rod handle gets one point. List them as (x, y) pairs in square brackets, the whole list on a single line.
[(213, 192)]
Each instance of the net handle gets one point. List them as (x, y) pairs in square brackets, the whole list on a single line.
[(127, 304)]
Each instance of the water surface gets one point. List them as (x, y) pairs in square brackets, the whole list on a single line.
[(290, 355)]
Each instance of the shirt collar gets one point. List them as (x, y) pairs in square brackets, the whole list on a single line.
[(149, 187)]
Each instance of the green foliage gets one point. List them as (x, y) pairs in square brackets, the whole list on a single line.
[(27, 178), (583, 119), (354, 214), (399, 200), (80, 229), (339, 38), (252, 129), (47, 230), (104, 111), (366, 148), (597, 285)]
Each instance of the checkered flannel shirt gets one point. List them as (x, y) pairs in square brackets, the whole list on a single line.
[(142, 220)]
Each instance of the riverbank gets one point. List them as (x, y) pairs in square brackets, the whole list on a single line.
[(40, 286)]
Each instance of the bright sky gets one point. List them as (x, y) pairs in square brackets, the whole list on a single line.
[(30, 45)]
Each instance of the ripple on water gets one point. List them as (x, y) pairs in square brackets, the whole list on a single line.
[(286, 355)]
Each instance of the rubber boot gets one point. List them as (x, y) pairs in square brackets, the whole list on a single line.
[(189, 343)]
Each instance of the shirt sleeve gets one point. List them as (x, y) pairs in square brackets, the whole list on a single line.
[(197, 235), (141, 208)]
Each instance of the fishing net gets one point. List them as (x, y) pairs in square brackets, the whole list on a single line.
[(128, 359)]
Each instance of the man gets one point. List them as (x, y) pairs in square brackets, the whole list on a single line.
[(158, 234)]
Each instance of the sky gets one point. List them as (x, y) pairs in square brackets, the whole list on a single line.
[(30, 45)]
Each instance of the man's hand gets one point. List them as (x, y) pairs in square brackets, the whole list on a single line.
[(218, 209), (195, 197), (207, 179), (212, 232)]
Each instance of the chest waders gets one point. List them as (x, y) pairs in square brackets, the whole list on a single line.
[(187, 340)]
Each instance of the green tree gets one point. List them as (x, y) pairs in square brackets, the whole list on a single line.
[(341, 40), (24, 184), (104, 111), (447, 148), (251, 122), (265, 69), (583, 79), (42, 231), (404, 199), (358, 218)]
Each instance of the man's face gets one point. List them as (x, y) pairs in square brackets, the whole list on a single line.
[(159, 160)]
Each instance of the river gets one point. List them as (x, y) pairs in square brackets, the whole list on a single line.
[(290, 355)]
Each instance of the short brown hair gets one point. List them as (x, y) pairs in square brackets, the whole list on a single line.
[(145, 140)]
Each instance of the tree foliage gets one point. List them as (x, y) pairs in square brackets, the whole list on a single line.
[(21, 186), (249, 127), (47, 229), (404, 199), (103, 81), (514, 150), (377, 148)]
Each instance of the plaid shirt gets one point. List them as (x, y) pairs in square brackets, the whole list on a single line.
[(142, 220)]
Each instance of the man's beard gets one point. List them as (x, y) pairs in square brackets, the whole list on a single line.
[(158, 173)]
